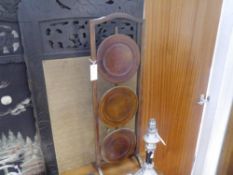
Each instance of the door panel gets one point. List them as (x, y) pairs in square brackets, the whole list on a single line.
[(180, 39)]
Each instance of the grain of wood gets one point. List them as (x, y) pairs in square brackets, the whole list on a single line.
[(180, 37)]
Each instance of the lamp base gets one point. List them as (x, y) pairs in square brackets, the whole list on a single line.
[(147, 169)]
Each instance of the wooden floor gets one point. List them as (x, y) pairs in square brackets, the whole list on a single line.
[(123, 168)]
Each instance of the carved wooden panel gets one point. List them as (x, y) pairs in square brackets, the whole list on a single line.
[(73, 34), (67, 33)]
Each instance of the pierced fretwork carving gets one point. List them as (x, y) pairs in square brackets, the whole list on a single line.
[(72, 34), (65, 34), (9, 39)]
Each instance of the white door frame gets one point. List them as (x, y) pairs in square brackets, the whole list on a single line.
[(220, 90)]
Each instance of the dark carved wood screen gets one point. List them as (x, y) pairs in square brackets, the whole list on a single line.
[(53, 29), (17, 124)]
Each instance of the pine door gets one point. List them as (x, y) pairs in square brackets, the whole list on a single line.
[(179, 43)]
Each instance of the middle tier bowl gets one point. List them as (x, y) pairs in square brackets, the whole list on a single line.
[(118, 106)]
